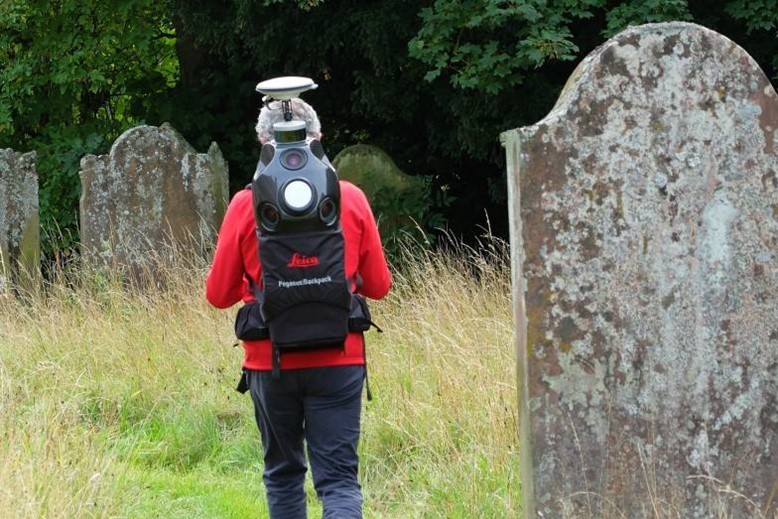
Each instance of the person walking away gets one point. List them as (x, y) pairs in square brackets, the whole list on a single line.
[(316, 400)]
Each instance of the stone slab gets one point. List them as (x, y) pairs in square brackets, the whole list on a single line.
[(19, 220), (644, 234), (152, 189), (392, 193)]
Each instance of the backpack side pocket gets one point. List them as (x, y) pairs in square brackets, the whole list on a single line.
[(249, 324), (359, 319)]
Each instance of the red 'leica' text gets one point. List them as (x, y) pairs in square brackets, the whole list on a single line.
[(300, 261)]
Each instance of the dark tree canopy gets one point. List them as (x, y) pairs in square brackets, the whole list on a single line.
[(431, 82)]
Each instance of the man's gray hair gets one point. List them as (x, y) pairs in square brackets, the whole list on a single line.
[(273, 113)]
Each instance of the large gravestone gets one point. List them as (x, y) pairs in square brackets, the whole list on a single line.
[(644, 214), (153, 189), (371, 168), (19, 226), (392, 193)]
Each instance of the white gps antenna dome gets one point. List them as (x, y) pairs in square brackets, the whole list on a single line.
[(286, 87)]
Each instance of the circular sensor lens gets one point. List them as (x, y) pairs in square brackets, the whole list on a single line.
[(328, 211), (269, 217), (293, 159), (298, 195)]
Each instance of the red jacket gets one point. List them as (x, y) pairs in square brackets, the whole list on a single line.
[(236, 254)]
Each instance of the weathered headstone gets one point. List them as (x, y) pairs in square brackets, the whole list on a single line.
[(19, 221), (371, 168), (644, 214), (152, 189), (395, 197)]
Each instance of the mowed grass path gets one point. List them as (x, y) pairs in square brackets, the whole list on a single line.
[(118, 402)]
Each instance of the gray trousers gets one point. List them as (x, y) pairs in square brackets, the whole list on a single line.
[(319, 407)]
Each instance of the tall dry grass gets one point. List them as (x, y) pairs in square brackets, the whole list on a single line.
[(117, 400), (443, 434)]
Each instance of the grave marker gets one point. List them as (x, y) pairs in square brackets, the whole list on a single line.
[(153, 188), (19, 221), (644, 229)]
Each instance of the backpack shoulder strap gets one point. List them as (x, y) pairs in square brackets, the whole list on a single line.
[(259, 294)]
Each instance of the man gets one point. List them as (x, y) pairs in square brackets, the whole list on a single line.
[(317, 397)]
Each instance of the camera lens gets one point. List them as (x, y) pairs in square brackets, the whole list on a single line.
[(293, 159), (269, 217), (328, 211)]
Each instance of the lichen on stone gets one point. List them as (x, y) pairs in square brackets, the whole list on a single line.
[(19, 234), (646, 215), (152, 189)]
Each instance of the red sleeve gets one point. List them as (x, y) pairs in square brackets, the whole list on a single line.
[(376, 278), (225, 281)]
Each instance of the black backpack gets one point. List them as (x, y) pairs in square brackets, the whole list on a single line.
[(305, 301)]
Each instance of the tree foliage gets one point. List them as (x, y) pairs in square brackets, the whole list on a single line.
[(75, 74), (492, 45), (432, 82)]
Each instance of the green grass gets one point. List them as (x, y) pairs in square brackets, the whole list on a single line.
[(196, 493), (119, 402)]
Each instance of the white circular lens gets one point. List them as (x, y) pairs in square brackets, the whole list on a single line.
[(298, 195)]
